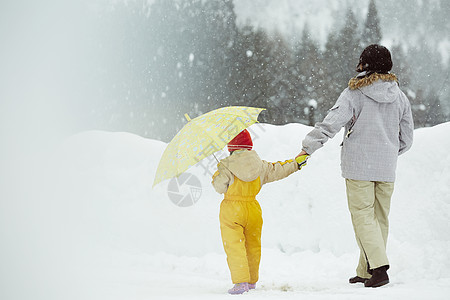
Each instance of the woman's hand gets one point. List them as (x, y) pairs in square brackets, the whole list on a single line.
[(302, 153)]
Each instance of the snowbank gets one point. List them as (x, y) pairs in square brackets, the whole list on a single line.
[(99, 231)]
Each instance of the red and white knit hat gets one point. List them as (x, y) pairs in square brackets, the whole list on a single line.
[(242, 141)]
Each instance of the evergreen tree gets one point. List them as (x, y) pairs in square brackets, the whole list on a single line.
[(401, 67), (434, 112), (259, 73), (218, 21), (309, 76), (425, 100), (427, 77), (419, 108), (249, 79), (349, 47), (169, 51), (371, 33), (332, 71), (340, 57), (192, 56), (282, 96)]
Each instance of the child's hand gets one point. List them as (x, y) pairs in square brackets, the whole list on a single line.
[(301, 160)]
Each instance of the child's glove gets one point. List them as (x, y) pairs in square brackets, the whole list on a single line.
[(301, 160)]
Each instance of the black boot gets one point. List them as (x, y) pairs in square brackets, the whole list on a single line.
[(357, 279), (379, 277)]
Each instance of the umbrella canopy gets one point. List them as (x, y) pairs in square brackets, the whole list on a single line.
[(202, 137)]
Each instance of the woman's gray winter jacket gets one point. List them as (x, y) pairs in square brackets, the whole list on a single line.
[(378, 127)]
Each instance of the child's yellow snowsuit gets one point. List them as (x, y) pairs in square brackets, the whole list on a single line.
[(240, 177)]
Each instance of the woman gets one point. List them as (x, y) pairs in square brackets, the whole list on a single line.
[(379, 127)]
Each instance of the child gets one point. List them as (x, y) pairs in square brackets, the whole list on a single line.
[(240, 177)]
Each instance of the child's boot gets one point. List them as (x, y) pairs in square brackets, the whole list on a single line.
[(252, 286), (239, 288)]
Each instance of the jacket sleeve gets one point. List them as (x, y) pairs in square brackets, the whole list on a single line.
[(222, 179), (339, 115), (278, 170), (406, 130)]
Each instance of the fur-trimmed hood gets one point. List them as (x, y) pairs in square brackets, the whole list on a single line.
[(382, 88), (378, 125)]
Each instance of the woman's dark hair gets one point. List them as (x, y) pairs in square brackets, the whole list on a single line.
[(375, 59)]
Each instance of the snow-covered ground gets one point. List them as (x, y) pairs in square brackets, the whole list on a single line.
[(85, 223)]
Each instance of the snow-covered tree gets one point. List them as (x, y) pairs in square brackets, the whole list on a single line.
[(340, 58), (309, 77), (371, 33)]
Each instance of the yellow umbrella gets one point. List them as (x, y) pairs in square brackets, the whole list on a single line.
[(202, 137)]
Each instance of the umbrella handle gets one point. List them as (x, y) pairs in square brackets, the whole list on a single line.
[(222, 164)]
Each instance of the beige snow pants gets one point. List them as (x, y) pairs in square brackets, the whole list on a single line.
[(369, 203)]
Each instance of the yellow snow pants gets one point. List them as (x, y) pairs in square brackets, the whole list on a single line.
[(369, 204), (240, 225)]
